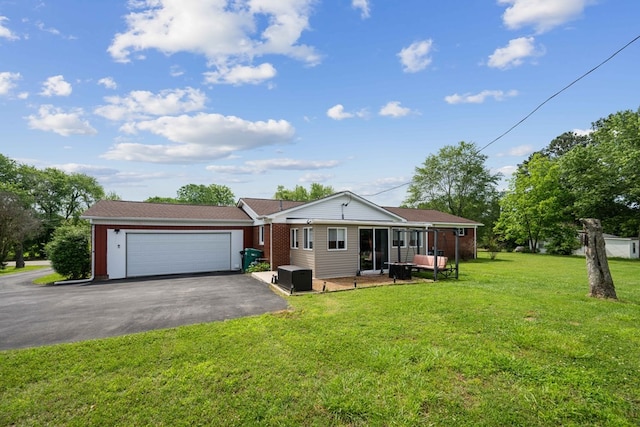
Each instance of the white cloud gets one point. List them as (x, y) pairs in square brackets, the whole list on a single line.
[(108, 82), (252, 167), (8, 82), (54, 31), (6, 33), (227, 33), (311, 178), (140, 104), (514, 53), (480, 97), (337, 112), (97, 171), (52, 119), (506, 171), (200, 138), (393, 109), (241, 74), (519, 151), (582, 132), (543, 15), (416, 57), (364, 6), (56, 86), (176, 71)]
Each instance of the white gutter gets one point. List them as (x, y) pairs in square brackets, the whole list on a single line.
[(360, 222), (93, 262)]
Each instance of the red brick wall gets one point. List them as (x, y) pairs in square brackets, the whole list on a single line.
[(281, 244), (447, 243)]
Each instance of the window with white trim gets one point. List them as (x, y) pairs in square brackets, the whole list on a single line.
[(414, 238), (336, 239), (398, 238), (294, 238), (261, 235), (462, 232), (307, 238)]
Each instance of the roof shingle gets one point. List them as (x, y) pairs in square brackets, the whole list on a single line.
[(124, 209)]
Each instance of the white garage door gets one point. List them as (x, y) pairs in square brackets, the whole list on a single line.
[(150, 254)]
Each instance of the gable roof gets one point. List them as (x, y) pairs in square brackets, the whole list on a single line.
[(317, 208), (263, 207), (431, 216), (118, 209)]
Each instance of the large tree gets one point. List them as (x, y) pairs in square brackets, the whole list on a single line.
[(534, 205), (17, 223), (603, 175), (199, 194), (300, 194), (456, 181), (212, 194), (54, 195)]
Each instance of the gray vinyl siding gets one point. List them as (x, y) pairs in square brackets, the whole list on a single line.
[(335, 263), (303, 258)]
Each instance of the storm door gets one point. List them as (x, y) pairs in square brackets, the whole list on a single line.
[(374, 249)]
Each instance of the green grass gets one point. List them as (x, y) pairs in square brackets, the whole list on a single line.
[(13, 270), (515, 341), (50, 279)]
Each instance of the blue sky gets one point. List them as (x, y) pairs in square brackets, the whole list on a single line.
[(150, 95)]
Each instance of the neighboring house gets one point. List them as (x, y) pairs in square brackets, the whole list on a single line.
[(340, 235), (618, 247)]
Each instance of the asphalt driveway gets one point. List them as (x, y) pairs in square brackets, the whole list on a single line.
[(32, 315)]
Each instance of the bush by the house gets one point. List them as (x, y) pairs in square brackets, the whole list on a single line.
[(69, 252), (256, 267)]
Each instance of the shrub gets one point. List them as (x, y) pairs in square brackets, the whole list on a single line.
[(69, 252), (256, 267)]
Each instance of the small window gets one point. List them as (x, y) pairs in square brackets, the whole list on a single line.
[(261, 235), (337, 238), (398, 238), (307, 237), (414, 238), (294, 238), (462, 232)]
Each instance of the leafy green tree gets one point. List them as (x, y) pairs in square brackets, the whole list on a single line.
[(158, 199), (212, 194), (301, 194), (562, 144), (70, 251), (534, 204), (111, 195), (603, 175), (17, 223), (456, 181)]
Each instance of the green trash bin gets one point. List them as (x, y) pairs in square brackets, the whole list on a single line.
[(249, 256)]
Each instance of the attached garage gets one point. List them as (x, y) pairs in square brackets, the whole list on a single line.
[(136, 239), (151, 254)]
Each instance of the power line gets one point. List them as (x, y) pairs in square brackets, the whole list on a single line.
[(532, 111), (559, 92)]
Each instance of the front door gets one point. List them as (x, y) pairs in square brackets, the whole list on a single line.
[(374, 249)]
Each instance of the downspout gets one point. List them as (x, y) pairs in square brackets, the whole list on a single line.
[(93, 262)]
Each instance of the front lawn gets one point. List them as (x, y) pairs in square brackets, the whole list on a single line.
[(514, 341)]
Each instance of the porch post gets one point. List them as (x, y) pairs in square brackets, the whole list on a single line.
[(435, 254)]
